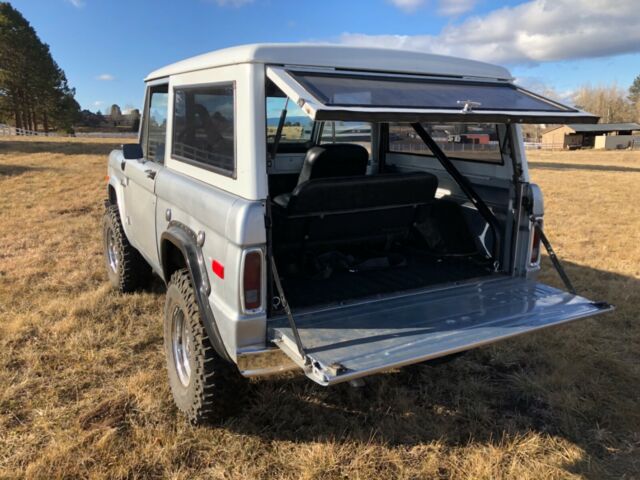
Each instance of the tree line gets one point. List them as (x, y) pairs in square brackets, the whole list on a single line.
[(34, 92), (610, 102)]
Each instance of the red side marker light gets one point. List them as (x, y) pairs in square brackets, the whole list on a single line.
[(218, 268)]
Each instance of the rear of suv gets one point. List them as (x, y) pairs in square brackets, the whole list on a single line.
[(332, 210)]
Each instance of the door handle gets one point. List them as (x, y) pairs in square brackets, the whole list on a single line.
[(151, 174)]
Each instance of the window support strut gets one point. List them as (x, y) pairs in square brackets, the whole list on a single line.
[(554, 258), (287, 309), (467, 188), (278, 136)]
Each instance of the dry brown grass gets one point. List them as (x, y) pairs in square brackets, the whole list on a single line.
[(82, 380)]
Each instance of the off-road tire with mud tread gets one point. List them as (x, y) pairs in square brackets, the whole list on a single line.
[(132, 271), (216, 388)]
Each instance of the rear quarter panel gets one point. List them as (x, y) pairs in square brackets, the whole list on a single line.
[(230, 224)]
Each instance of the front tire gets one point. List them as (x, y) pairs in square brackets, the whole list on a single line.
[(205, 387), (128, 271)]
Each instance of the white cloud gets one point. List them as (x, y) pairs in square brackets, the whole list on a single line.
[(408, 6), (76, 3), (98, 103), (455, 7), (232, 3), (532, 32), (105, 77), (445, 7)]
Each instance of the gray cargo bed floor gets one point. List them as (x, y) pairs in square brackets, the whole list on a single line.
[(420, 271)]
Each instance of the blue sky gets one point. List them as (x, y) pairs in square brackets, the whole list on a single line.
[(107, 47)]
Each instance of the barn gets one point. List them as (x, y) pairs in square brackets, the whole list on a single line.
[(598, 135)]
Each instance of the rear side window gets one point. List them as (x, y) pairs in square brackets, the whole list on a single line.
[(477, 142), (204, 127)]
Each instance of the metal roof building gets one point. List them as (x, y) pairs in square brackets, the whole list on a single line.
[(584, 135)]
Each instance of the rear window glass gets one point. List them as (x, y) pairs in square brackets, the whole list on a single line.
[(401, 92), (476, 142), (347, 132), (203, 127)]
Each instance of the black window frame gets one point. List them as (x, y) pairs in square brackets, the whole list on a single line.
[(387, 145), (205, 166)]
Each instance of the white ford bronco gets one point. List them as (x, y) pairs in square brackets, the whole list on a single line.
[(335, 210)]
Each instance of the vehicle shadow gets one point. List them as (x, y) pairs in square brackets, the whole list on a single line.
[(548, 383), (65, 148), (582, 166)]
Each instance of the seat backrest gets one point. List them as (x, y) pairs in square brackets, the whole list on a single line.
[(362, 193), (349, 210), (334, 160)]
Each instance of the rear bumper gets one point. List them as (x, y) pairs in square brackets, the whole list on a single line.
[(263, 362)]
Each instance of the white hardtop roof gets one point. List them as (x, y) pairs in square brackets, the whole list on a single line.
[(339, 56)]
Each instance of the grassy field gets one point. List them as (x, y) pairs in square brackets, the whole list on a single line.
[(83, 389)]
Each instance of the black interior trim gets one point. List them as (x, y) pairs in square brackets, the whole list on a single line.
[(466, 187)]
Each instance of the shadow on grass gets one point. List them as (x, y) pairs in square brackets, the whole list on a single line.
[(64, 148), (485, 396), (14, 170), (582, 166)]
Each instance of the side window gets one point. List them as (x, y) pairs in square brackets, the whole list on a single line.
[(204, 127), (347, 132), (156, 124), (476, 142), (297, 126)]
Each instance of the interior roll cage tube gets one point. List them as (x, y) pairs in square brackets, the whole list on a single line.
[(468, 190)]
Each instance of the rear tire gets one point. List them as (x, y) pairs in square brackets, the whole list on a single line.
[(205, 387), (128, 271)]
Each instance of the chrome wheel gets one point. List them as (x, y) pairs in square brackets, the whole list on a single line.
[(181, 345), (112, 252)]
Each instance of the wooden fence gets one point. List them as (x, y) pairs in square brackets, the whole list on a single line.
[(8, 130)]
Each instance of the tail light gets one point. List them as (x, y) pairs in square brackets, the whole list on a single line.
[(252, 280), (535, 245)]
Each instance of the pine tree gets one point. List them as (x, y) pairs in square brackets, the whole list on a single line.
[(634, 91), (33, 89)]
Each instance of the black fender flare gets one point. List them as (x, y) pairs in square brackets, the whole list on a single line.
[(184, 239)]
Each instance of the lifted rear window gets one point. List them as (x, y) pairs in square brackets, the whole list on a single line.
[(350, 90)]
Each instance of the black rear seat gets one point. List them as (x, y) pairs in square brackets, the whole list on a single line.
[(348, 210), (335, 203), (330, 160)]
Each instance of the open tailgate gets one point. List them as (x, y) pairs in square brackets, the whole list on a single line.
[(348, 342)]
